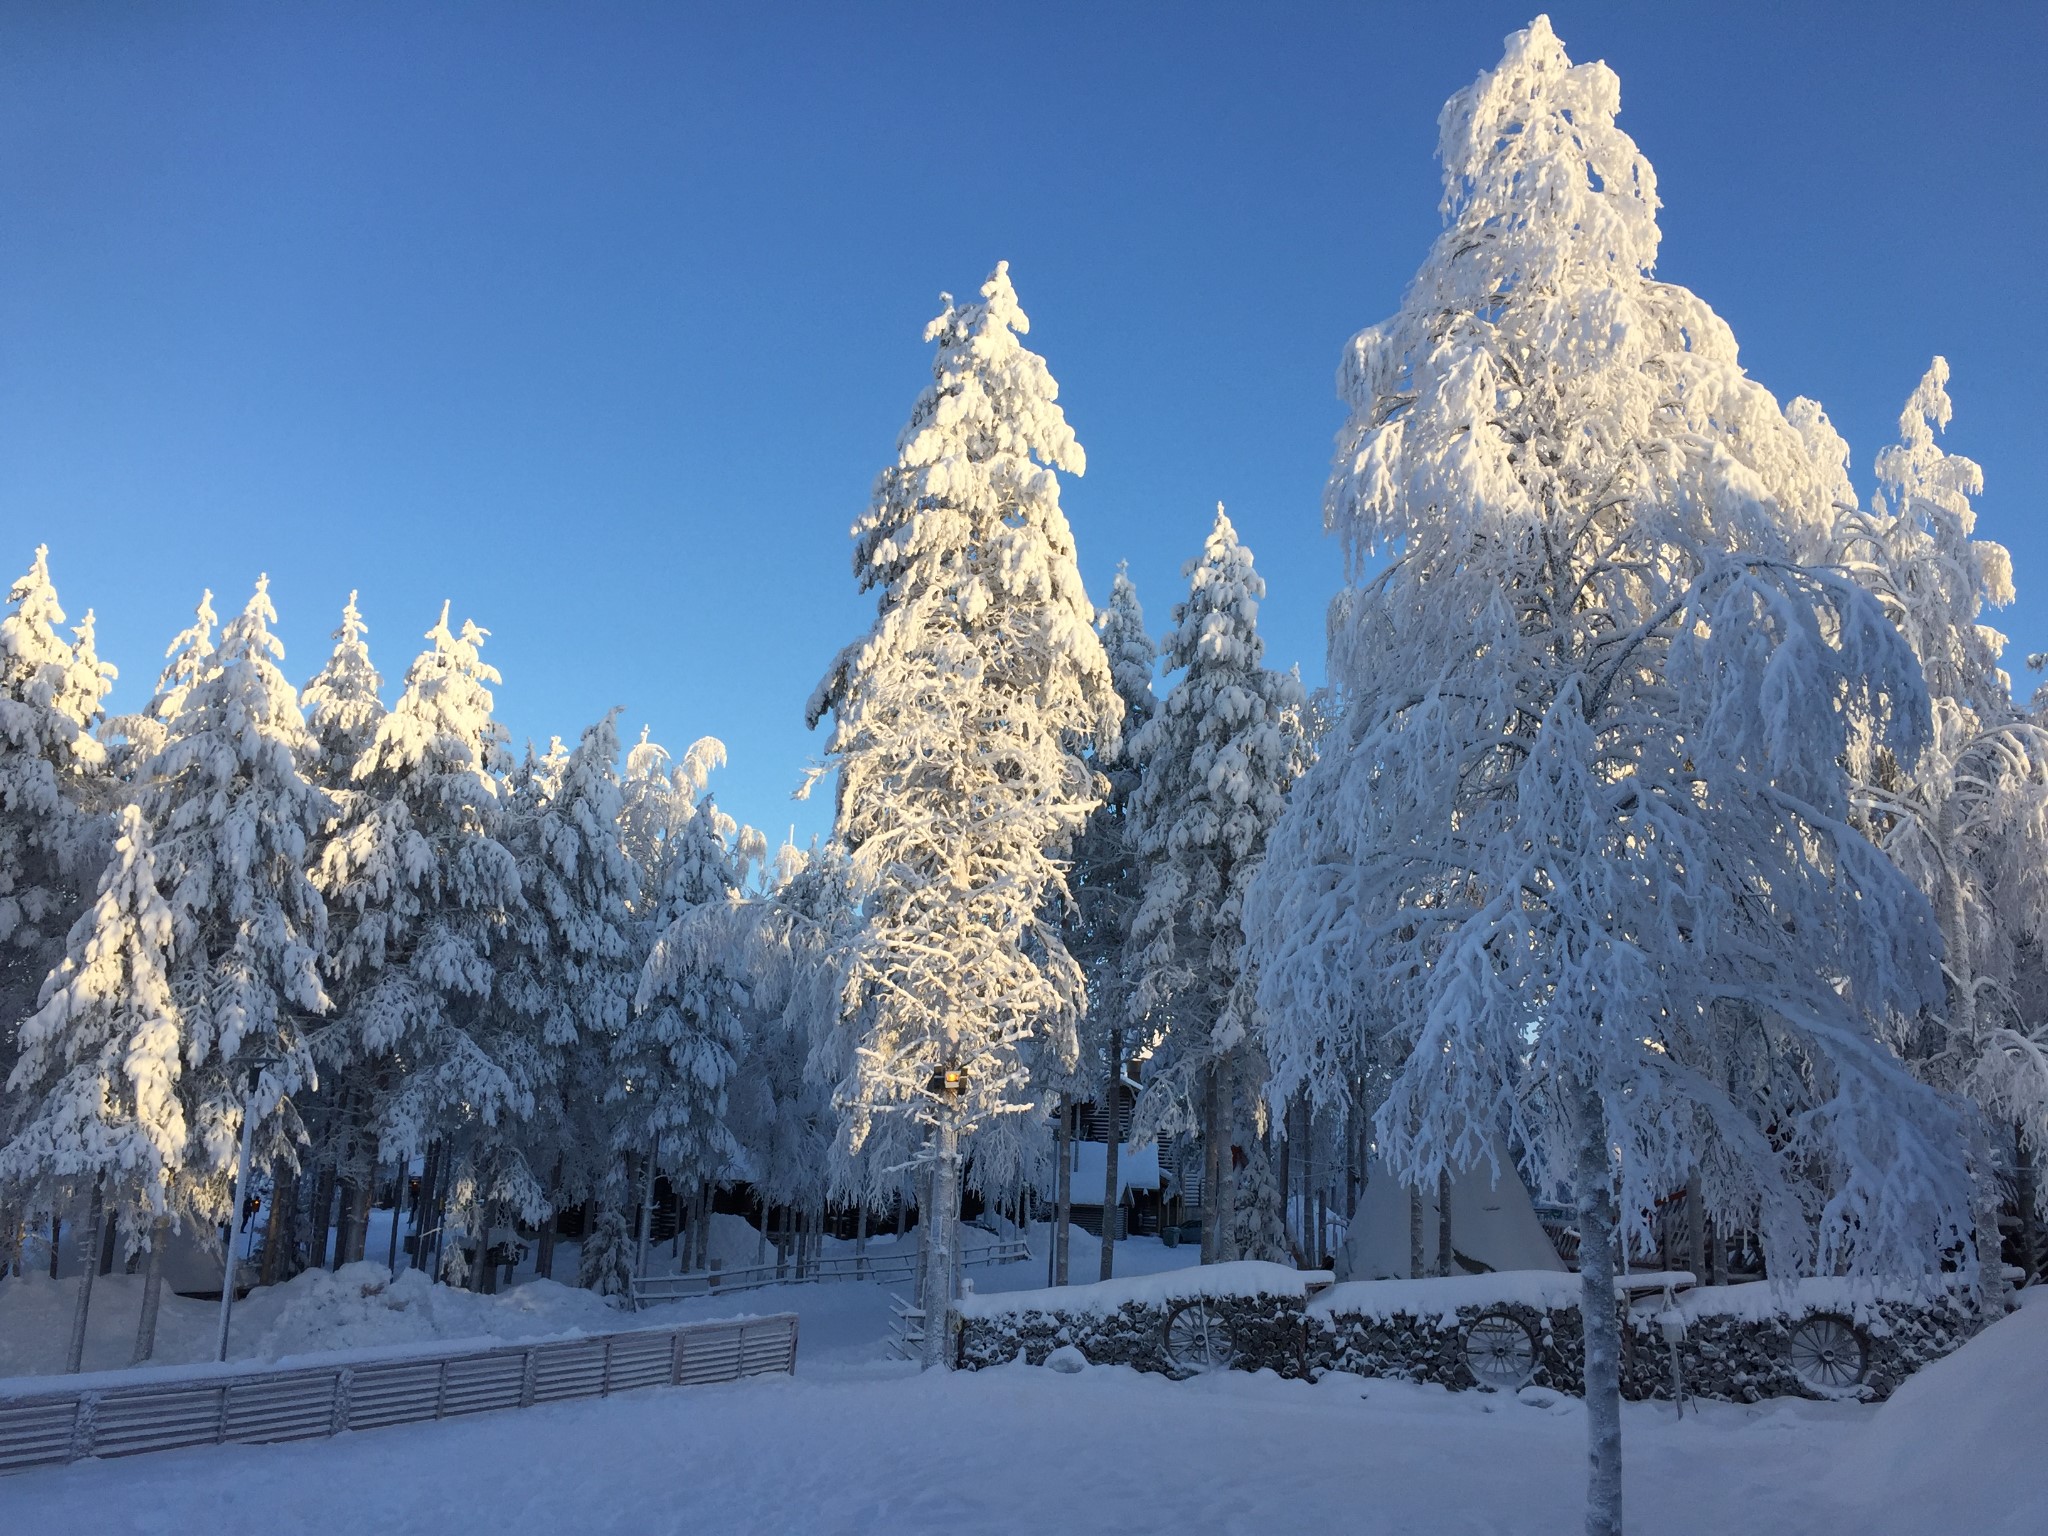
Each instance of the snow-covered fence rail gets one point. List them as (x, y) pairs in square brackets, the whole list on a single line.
[(895, 1269), (124, 1413)]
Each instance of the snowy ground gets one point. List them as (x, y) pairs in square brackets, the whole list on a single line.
[(857, 1443)]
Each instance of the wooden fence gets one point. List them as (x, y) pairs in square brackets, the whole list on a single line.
[(258, 1404), (897, 1269)]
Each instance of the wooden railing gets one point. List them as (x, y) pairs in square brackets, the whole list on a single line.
[(895, 1269), (215, 1405)]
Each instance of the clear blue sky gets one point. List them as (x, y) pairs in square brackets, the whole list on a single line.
[(600, 319)]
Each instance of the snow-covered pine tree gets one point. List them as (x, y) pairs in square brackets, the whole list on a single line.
[(101, 1065), (344, 706), (420, 892), (1968, 820), (134, 739), (50, 781), (675, 1055), (1108, 882), (1218, 758), (958, 725), (232, 820), (1583, 831), (570, 973)]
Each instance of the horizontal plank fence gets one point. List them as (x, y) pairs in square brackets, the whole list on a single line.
[(896, 1268), (257, 1405)]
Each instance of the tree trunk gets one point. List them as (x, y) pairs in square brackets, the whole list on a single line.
[(646, 1207), (1226, 1164), (277, 1229), (2023, 1179), (1446, 1255), (1286, 1176), (152, 1293), (319, 1218), (1213, 1157), (1063, 1200), (544, 1250), (56, 1236), (1112, 1194), (1995, 1294), (1695, 1228), (942, 1228), (1601, 1316), (88, 1271), (1416, 1268)]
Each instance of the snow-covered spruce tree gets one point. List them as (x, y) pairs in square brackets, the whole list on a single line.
[(100, 1067), (779, 1102), (232, 819), (50, 781), (420, 891), (570, 972), (958, 725), (675, 1055), (1968, 819), (1108, 882), (1218, 758), (344, 705), (134, 739), (1583, 831)]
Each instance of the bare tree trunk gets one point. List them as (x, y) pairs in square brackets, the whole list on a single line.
[(56, 1235), (942, 1226), (1601, 1317), (88, 1271), (277, 1229), (1416, 1268), (152, 1293), (1226, 1164), (1286, 1176), (1063, 1204), (1695, 1228), (1213, 1157), (2023, 1179), (1446, 1255), (319, 1218), (1112, 1192), (646, 1207)]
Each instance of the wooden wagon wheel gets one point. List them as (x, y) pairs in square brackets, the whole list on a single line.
[(1197, 1338), (1501, 1351), (1826, 1353)]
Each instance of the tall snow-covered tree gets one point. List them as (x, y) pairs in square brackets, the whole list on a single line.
[(1108, 881), (1583, 831), (1218, 757), (959, 721), (101, 1065), (50, 765), (676, 1054), (232, 820), (571, 970), (344, 705), (421, 891), (1968, 819)]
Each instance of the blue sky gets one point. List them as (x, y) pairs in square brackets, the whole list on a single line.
[(600, 319)]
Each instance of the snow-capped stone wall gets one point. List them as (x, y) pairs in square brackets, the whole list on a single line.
[(1734, 1342)]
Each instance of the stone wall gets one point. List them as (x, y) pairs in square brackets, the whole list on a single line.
[(1733, 1345)]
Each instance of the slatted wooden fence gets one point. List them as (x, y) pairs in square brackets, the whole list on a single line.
[(897, 1269), (260, 1404)]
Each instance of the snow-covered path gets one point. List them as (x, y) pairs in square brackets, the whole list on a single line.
[(867, 1447)]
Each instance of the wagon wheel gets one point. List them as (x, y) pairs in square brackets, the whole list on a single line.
[(1826, 1353), (1500, 1351), (1198, 1338)]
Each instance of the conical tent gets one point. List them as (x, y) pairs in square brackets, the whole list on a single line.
[(1493, 1224)]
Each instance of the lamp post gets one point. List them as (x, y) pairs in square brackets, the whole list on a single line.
[(227, 1280)]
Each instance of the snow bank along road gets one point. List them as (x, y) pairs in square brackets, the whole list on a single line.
[(859, 1446)]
